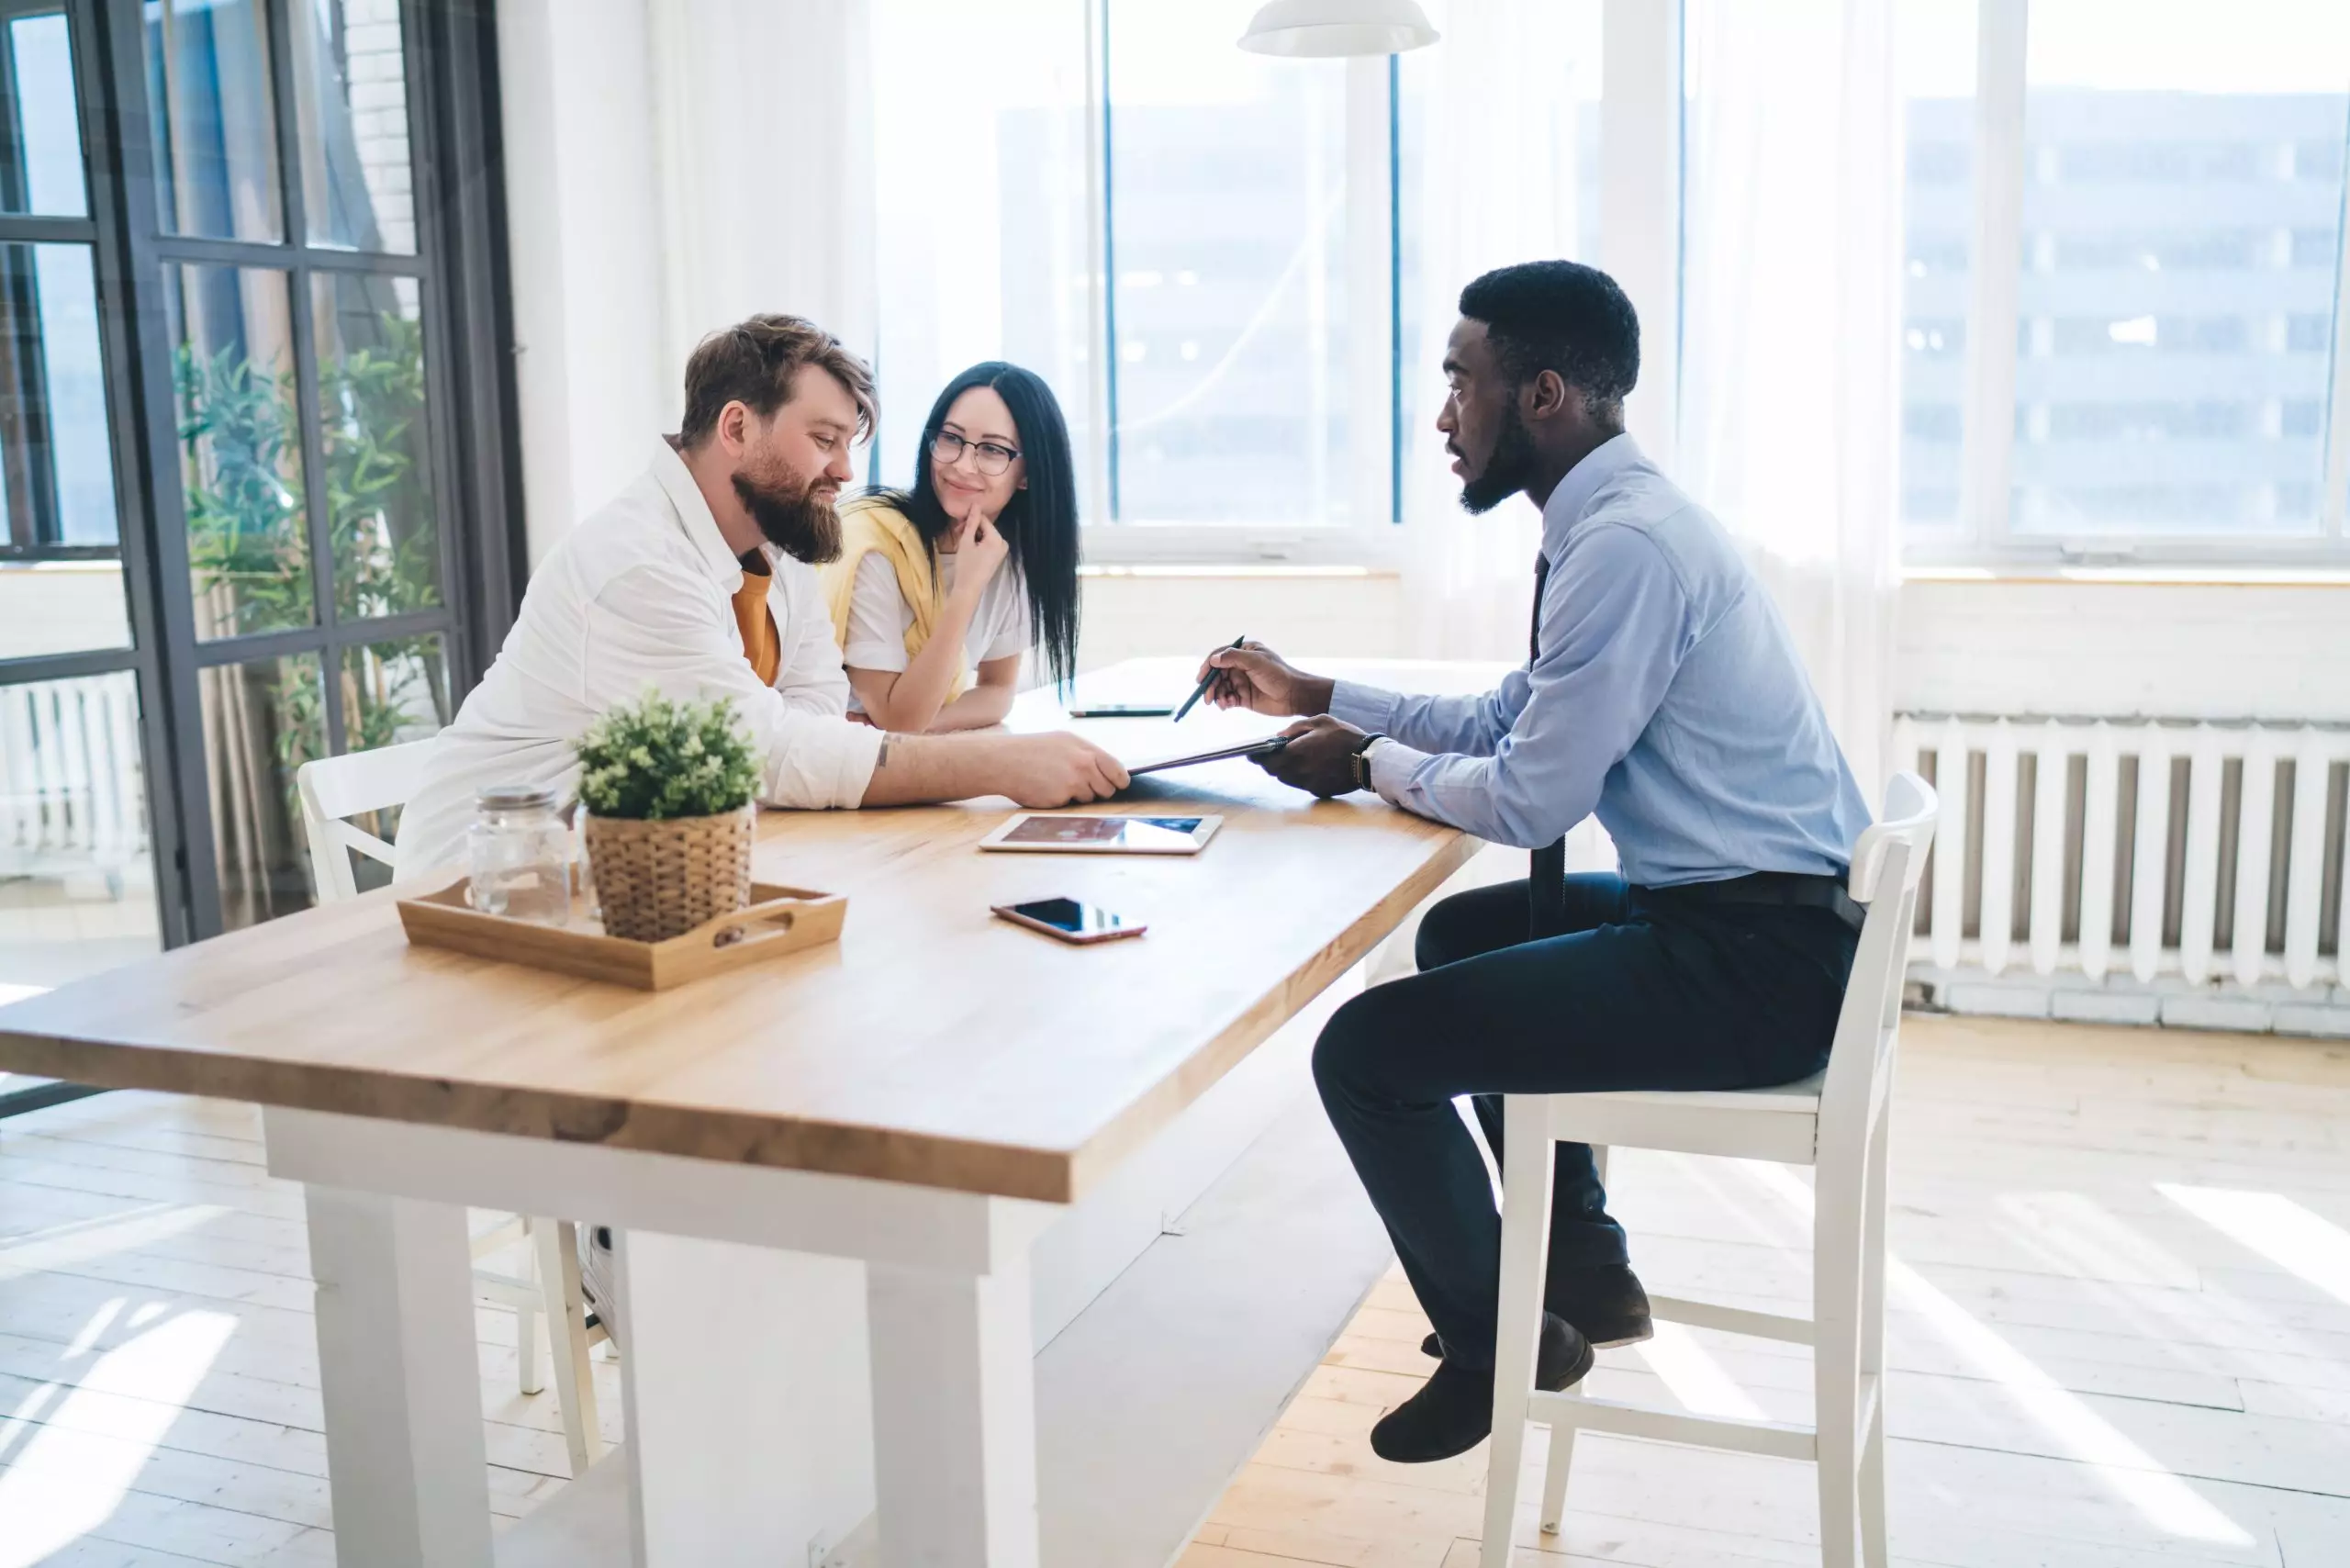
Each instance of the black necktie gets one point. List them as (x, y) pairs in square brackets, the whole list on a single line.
[(1545, 885)]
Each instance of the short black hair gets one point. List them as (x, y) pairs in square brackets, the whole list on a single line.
[(1565, 317)]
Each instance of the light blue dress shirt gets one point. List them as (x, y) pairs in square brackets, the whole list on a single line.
[(1667, 698)]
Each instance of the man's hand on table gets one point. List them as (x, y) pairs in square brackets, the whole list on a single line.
[(1319, 758), (1254, 677), (1058, 770)]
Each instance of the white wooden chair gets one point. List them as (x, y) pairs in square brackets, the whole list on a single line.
[(1836, 1122), (331, 790)]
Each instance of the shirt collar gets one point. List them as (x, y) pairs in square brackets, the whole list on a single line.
[(676, 481), (1581, 485)]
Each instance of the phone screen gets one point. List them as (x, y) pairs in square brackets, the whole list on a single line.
[(1068, 914)]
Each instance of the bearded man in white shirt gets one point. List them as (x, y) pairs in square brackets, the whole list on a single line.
[(699, 581)]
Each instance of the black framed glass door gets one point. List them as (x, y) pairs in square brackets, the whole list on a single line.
[(258, 502)]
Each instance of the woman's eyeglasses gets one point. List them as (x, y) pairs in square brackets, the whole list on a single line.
[(992, 457)]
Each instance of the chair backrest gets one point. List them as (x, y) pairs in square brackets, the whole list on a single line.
[(1886, 864), (334, 788)]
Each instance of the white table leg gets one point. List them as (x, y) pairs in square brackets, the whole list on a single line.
[(401, 1384), (955, 1417), (750, 1428)]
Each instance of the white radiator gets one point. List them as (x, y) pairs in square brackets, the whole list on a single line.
[(71, 793), (2135, 852)]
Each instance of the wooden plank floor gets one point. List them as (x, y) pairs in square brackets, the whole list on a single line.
[(2120, 1334)]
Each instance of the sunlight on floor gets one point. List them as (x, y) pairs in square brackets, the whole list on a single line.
[(81, 1462), (1692, 1375), (2168, 1502), (2277, 1228), (62, 1247)]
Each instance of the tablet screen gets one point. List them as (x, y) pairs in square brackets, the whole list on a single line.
[(1130, 833)]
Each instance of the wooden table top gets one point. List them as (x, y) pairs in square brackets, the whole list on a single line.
[(932, 1044)]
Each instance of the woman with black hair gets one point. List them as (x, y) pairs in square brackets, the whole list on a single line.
[(940, 588)]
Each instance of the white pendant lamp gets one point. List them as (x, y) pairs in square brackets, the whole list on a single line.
[(1322, 29)]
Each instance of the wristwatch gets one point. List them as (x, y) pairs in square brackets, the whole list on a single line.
[(1360, 761)]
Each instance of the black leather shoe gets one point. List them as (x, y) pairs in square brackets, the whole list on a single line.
[(1606, 1303), (1453, 1411)]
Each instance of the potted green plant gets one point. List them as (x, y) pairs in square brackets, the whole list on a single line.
[(667, 787)]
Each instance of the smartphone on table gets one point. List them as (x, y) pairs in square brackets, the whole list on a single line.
[(1069, 920)]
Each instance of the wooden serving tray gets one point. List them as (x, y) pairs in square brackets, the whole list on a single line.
[(780, 920)]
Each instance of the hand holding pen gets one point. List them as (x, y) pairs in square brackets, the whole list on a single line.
[(1208, 677), (1250, 674)]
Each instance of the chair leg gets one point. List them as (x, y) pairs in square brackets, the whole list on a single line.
[(566, 1313), (1838, 1227), (1874, 1551), (531, 1323), (1554, 1473), (1517, 1337)]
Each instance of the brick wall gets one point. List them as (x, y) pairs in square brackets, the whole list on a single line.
[(375, 73)]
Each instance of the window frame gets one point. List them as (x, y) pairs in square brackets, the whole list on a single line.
[(459, 268), (1368, 244), (1985, 536)]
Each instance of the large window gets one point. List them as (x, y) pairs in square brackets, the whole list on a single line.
[(253, 472), (1195, 246), (2124, 335)]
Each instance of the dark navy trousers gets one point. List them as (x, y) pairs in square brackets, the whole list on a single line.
[(1642, 992)]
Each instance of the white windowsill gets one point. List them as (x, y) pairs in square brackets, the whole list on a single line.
[(2182, 576), (1232, 569)]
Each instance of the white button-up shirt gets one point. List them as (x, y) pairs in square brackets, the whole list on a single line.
[(640, 595)]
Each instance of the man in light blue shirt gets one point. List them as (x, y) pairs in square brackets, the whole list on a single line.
[(1662, 694)]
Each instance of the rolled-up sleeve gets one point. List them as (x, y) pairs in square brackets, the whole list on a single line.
[(651, 626), (1615, 632)]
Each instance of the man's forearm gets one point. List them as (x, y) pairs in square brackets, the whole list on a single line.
[(916, 768)]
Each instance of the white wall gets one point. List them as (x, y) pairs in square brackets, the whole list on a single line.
[(2115, 649), (61, 607), (671, 166), (584, 245), (2100, 649), (1131, 612)]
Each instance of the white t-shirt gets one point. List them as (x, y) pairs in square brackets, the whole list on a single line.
[(878, 617)]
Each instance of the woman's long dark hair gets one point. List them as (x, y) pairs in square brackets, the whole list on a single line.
[(1040, 523)]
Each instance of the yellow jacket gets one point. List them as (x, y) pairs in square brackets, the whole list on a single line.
[(870, 523)]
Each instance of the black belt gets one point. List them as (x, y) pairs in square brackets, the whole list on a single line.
[(1766, 887)]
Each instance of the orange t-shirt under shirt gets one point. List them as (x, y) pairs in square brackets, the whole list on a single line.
[(761, 644)]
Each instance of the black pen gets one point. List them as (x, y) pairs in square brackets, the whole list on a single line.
[(1192, 700)]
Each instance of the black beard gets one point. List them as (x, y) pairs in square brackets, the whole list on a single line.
[(802, 526), (1506, 472)]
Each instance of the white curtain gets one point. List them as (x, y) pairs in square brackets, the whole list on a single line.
[(1499, 183), (763, 122), (1790, 390)]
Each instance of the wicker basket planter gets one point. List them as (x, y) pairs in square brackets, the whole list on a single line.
[(659, 880)]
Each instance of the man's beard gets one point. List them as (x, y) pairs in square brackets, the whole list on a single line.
[(795, 518), (1506, 472)]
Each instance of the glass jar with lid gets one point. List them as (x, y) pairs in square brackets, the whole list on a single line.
[(519, 850)]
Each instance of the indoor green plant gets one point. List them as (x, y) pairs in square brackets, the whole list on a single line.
[(667, 787)]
